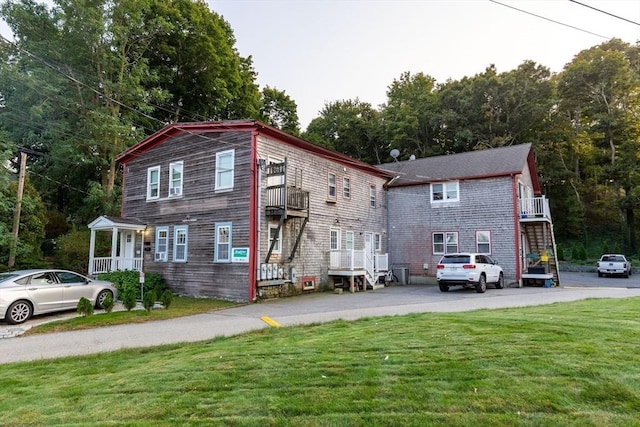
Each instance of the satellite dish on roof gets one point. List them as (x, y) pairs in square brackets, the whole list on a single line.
[(395, 153), (412, 157)]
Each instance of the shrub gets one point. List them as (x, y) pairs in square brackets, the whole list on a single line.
[(129, 296), (85, 308), (152, 281), (107, 304), (149, 300), (166, 298)]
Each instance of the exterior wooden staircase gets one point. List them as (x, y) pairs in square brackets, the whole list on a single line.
[(536, 223)]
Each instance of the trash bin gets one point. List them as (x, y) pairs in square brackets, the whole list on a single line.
[(402, 274)]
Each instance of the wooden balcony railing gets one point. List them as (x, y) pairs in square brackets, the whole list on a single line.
[(534, 207), (108, 264)]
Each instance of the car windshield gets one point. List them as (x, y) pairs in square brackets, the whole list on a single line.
[(455, 259), (7, 276)]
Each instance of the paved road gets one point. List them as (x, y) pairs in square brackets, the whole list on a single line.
[(306, 309)]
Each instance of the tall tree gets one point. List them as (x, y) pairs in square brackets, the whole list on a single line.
[(279, 110), (411, 115), (198, 65), (350, 127), (600, 92)]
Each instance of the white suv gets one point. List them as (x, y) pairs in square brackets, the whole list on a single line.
[(469, 270)]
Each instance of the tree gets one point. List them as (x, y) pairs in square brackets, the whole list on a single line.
[(600, 93), (411, 115), (350, 127), (198, 65), (279, 110)]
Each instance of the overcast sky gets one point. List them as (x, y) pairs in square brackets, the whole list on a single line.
[(328, 50), (321, 51)]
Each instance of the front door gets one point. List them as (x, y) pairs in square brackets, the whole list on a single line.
[(128, 248)]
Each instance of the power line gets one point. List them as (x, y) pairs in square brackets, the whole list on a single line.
[(606, 13), (549, 19)]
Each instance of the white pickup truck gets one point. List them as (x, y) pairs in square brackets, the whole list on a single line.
[(613, 264)]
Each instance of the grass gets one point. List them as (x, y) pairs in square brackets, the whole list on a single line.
[(180, 307), (569, 364)]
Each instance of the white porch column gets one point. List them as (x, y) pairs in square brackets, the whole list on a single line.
[(114, 248), (92, 245)]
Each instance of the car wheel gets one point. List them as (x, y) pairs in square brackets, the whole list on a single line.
[(443, 287), (19, 312), (599, 274), (101, 297), (500, 283), (626, 274), (481, 287)]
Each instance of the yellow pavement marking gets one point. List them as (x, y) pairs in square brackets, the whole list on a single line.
[(269, 321)]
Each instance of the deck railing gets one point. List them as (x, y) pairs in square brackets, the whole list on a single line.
[(108, 264), (295, 197), (351, 259), (534, 207)]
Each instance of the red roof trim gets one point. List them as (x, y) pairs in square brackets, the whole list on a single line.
[(246, 126), (458, 178)]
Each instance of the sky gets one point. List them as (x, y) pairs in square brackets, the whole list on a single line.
[(322, 51)]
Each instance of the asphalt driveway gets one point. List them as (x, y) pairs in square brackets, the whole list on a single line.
[(306, 309)]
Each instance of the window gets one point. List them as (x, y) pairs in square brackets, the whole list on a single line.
[(331, 189), (377, 242), (162, 242), (372, 196), (334, 244), (483, 242), (224, 170), (346, 187), (348, 244), (275, 235), (175, 179), (445, 243), (444, 192), (153, 183), (180, 243), (223, 242)]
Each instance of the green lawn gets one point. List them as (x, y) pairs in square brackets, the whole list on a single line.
[(563, 364)]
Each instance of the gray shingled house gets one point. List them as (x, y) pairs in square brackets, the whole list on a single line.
[(487, 201)]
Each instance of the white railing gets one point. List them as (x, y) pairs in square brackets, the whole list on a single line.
[(107, 264), (534, 207), (351, 259)]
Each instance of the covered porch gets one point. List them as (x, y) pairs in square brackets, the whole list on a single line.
[(127, 236)]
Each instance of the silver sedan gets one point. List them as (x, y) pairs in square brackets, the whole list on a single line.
[(25, 293)]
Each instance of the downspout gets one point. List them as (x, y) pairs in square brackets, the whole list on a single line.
[(516, 224), (253, 217), (124, 179)]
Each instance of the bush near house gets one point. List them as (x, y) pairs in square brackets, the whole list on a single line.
[(153, 282)]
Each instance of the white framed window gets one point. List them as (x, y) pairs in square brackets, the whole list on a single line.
[(274, 180), (224, 169), (348, 242), (372, 196), (275, 235), (331, 186), (153, 183), (175, 179), (346, 187), (483, 242), (445, 242), (445, 192), (162, 244), (377, 242), (222, 245), (180, 234), (334, 243)]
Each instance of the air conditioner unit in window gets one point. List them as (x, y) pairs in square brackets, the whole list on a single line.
[(159, 256), (175, 191)]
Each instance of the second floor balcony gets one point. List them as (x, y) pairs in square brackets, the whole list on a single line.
[(291, 201), (534, 209)]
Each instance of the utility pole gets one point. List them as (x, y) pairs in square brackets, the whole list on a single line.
[(16, 217)]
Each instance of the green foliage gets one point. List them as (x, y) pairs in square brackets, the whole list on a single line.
[(561, 256), (166, 298), (108, 303), (279, 110), (72, 250), (128, 296), (149, 300), (85, 308), (153, 281)]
